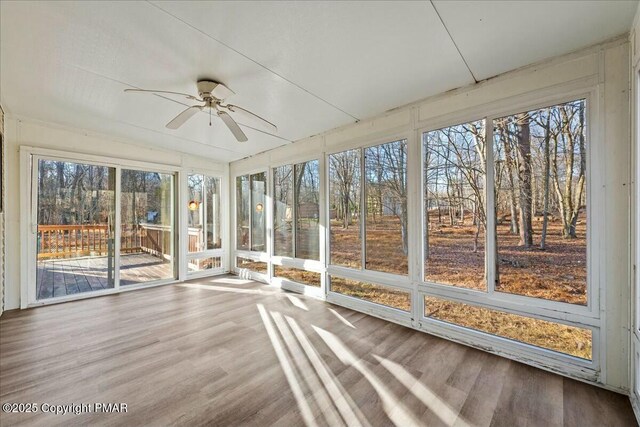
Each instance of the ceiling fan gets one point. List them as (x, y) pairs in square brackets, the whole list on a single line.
[(213, 94)]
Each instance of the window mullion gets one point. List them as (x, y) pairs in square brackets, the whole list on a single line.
[(363, 210), (490, 235), (294, 208), (250, 212)]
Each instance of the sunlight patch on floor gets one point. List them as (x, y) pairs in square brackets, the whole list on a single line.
[(287, 368), (397, 412), (341, 318), (297, 302), (318, 391), (438, 406), (343, 401)]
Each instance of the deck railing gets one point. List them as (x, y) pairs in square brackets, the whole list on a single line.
[(65, 241), (62, 241)]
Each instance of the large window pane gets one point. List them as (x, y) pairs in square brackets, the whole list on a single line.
[(147, 242), (553, 336), (243, 212), (203, 213), (454, 205), (195, 211), (75, 246), (258, 211), (540, 185), (212, 193), (385, 295), (307, 212), (386, 238), (344, 209), (283, 211)]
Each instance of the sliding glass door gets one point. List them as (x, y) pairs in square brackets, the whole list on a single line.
[(75, 207), (147, 243), (74, 211)]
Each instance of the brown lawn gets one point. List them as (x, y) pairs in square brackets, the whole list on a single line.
[(553, 336), (556, 273), (297, 275)]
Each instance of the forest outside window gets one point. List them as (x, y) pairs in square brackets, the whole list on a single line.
[(250, 212), (540, 159), (296, 210), (454, 205), (380, 170), (386, 222), (203, 213), (344, 209)]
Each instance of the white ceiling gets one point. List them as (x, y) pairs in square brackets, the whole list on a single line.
[(306, 66)]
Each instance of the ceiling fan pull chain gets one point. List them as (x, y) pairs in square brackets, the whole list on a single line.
[(209, 116)]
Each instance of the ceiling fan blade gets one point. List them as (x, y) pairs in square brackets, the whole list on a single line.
[(233, 126), (251, 117), (221, 91), (166, 92), (181, 118)]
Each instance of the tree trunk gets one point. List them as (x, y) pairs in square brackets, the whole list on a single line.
[(545, 208), (524, 174), (510, 163)]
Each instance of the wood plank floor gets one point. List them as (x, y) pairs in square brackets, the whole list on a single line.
[(226, 351), (61, 277)]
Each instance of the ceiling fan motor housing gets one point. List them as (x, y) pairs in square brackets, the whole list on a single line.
[(205, 87)]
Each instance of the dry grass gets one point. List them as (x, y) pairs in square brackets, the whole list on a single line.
[(375, 293), (249, 264), (553, 336), (452, 260), (383, 245), (304, 277), (557, 273)]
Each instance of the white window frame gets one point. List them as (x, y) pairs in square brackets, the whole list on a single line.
[(29, 157), (524, 304), (587, 316), (295, 215), (266, 208), (316, 266), (363, 274), (223, 214), (397, 281), (262, 256)]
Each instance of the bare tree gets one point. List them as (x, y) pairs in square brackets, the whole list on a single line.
[(570, 142), (346, 167), (524, 175)]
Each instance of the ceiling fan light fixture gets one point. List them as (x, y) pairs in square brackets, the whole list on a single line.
[(212, 94)]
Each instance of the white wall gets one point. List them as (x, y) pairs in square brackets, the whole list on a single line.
[(2, 217), (25, 132), (634, 38), (603, 70)]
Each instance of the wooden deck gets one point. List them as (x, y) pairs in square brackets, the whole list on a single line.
[(60, 277)]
